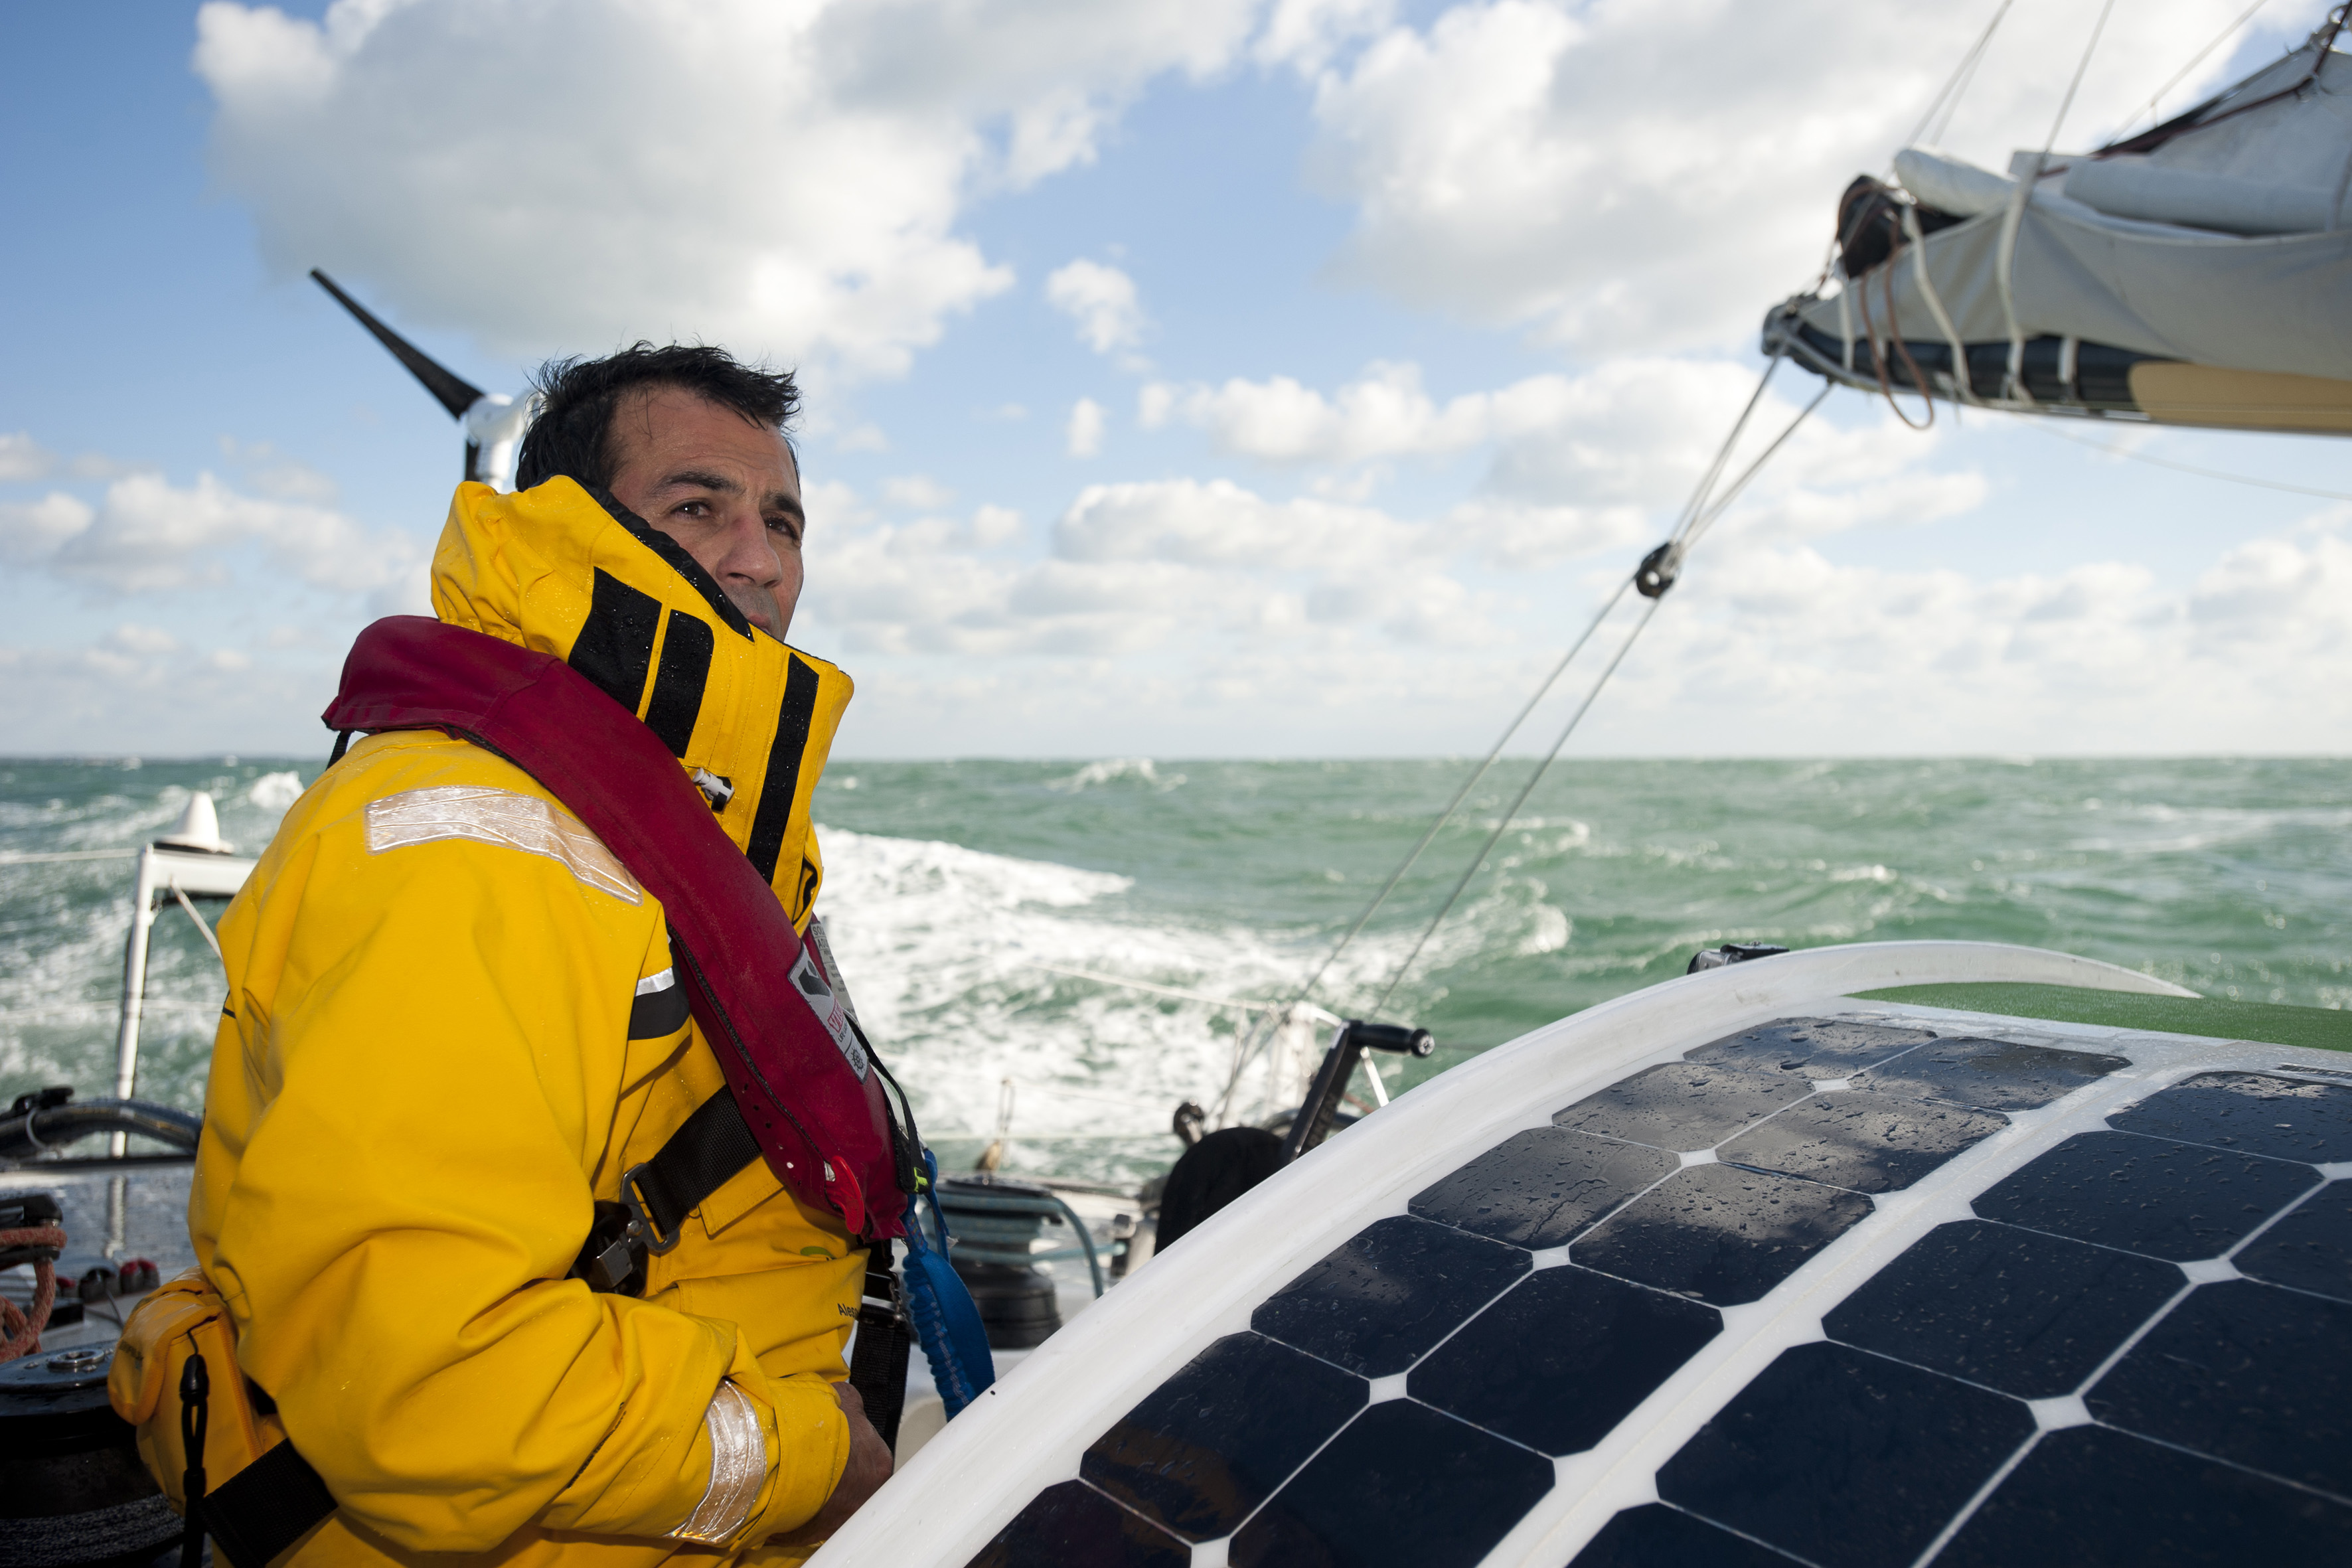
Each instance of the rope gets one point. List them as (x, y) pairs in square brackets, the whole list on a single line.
[(2320, 42), (1259, 1035), (56, 856), (2190, 467), (1963, 76), (210, 939), (1698, 517), (2194, 61), (2014, 219), (1504, 825), (1895, 337), (20, 1333), (1699, 528)]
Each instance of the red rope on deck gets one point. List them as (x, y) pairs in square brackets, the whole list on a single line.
[(23, 1332)]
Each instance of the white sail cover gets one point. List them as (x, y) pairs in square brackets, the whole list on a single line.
[(2226, 243)]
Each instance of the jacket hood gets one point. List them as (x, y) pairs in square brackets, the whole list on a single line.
[(562, 570)]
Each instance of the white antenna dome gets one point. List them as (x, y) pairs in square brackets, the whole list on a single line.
[(198, 829)]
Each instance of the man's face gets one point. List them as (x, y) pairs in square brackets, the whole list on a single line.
[(727, 489)]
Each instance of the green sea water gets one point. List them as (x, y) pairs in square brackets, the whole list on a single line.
[(996, 919)]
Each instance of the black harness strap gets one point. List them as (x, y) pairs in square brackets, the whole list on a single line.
[(656, 1198), (266, 1507), (877, 1362), (702, 1156)]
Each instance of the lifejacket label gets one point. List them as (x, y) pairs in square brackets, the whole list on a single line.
[(809, 983)]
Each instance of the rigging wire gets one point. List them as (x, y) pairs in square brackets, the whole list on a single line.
[(1696, 515), (1958, 84), (1503, 824), (2194, 61), (1701, 517), (2044, 427), (1274, 1015), (2067, 102), (1717, 509)]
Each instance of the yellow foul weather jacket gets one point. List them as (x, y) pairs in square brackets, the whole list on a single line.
[(451, 1025)]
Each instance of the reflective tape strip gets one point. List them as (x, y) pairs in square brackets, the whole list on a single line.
[(738, 1466), (498, 816), (660, 1007)]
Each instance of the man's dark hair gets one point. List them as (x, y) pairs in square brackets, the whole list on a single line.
[(573, 433)]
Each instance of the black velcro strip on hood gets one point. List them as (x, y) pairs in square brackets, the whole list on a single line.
[(783, 780), (674, 555), (685, 670), (615, 646)]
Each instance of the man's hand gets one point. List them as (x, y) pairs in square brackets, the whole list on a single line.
[(869, 1465)]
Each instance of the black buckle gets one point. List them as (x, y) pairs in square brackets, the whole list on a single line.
[(612, 1260), (642, 1228), (882, 1310)]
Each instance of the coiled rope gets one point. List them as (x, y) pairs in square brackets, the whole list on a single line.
[(20, 1331)]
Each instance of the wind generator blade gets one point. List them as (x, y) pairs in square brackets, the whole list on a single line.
[(453, 392)]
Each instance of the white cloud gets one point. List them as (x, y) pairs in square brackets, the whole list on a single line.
[(1583, 462), (1083, 435), (1152, 632), (1220, 523), (1384, 413), (148, 536), (784, 179), (1306, 34), (1658, 174), (277, 476), (917, 491), (30, 532), (1777, 641), (1135, 568), (1101, 299), (140, 687), (22, 458)]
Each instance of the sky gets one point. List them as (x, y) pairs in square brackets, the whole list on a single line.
[(1209, 378)]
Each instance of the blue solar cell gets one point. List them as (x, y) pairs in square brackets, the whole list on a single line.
[(2028, 1314), (1870, 1142), (1994, 1075), (2247, 1373), (1843, 1458), (2252, 1112), (2089, 1497), (1563, 1357), (1213, 1441), (1721, 1233), (1396, 1288), (1073, 1526), (1656, 1536), (1402, 1486), (1683, 1105), (2147, 1194), (1811, 1047), (2310, 1249), (1540, 1187)]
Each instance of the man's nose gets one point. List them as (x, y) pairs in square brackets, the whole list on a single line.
[(747, 549)]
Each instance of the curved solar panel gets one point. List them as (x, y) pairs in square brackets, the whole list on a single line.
[(2131, 1342)]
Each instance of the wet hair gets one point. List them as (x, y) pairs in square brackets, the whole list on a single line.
[(573, 433)]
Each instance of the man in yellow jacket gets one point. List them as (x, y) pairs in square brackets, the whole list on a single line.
[(453, 1023)]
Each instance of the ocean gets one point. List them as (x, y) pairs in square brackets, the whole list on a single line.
[(1055, 951)]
